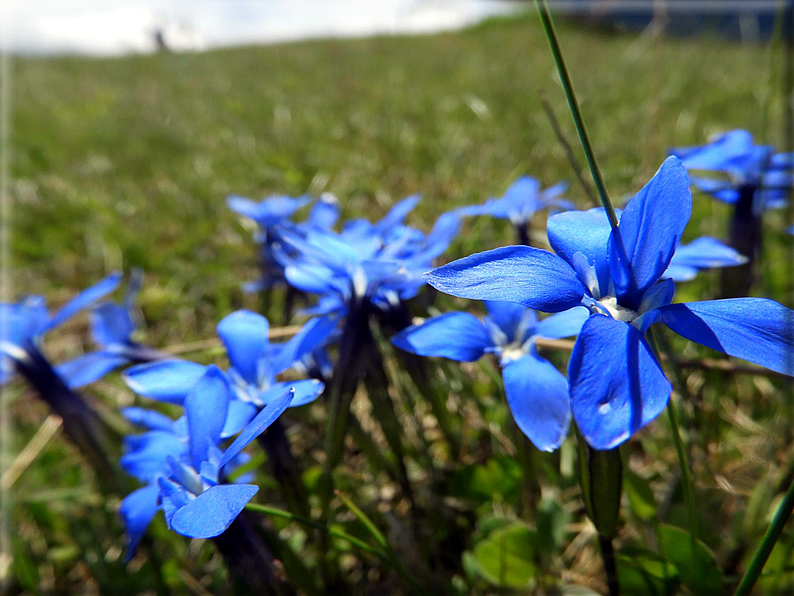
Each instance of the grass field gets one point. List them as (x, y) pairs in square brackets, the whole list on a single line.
[(121, 163)]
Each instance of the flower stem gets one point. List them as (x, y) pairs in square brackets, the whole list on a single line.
[(573, 104), (768, 542), (337, 533), (686, 474)]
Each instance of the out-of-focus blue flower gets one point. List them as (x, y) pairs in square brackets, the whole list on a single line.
[(616, 383), (183, 465), (276, 212), (270, 212), (521, 201), (24, 324), (112, 327), (701, 253), (382, 262), (537, 393), (741, 163)]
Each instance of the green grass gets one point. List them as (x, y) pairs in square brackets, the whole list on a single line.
[(121, 163)]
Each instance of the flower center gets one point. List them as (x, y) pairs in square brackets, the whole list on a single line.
[(616, 311), (512, 351)]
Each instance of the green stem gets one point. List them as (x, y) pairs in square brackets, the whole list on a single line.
[(686, 479), (272, 511), (768, 542), (683, 463), (337, 533), (573, 104)]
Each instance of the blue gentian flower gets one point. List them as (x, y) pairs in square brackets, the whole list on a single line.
[(702, 253), (184, 466), (616, 384), (382, 262), (112, 327), (537, 393), (255, 363), (741, 164), (24, 324), (521, 201)]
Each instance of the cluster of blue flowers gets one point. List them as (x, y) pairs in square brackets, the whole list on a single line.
[(618, 275), (604, 284), (181, 461)]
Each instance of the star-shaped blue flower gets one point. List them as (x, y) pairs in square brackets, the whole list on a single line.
[(616, 383), (521, 201), (25, 323), (734, 162), (185, 467), (537, 393)]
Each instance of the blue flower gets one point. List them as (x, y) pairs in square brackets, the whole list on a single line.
[(521, 201), (112, 327), (255, 363), (616, 383), (537, 393), (184, 466), (701, 253), (25, 323), (741, 163), (382, 262)]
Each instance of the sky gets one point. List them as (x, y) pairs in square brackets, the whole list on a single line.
[(114, 27)]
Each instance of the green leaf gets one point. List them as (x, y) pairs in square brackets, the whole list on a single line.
[(506, 557), (698, 570), (550, 521), (640, 494), (645, 573), (481, 483)]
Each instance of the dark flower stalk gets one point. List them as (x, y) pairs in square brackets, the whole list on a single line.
[(744, 235), (82, 425), (253, 564)]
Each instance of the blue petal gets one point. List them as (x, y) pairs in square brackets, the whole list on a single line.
[(650, 228), (304, 391), (265, 418), (205, 408), (397, 214), (148, 418), (313, 334), (147, 453), (530, 276), (680, 272), (704, 253), (537, 394), (244, 333), (617, 386), (85, 299), (166, 380), (111, 324), (454, 335), (240, 413), (313, 278), (585, 232), (88, 368), (325, 212), (563, 324), (213, 511), (754, 329), (508, 316), (444, 230), (137, 511)]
